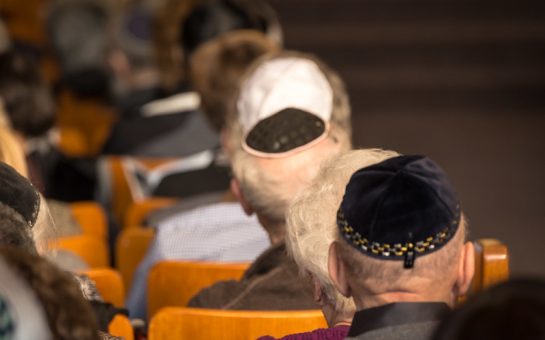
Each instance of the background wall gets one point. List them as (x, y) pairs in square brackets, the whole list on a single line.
[(460, 81)]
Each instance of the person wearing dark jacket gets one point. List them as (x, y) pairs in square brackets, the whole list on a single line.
[(291, 114)]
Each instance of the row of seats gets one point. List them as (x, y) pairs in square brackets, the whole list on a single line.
[(172, 283)]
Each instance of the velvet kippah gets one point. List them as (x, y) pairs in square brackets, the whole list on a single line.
[(399, 209), (19, 194)]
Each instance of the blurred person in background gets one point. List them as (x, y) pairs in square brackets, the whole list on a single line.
[(217, 230), (168, 123), (79, 34), (159, 122), (25, 223), (510, 310), (28, 105), (40, 301), (290, 114), (19, 194), (29, 110)]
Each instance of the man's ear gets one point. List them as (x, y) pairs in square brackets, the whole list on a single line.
[(337, 270), (235, 188), (466, 269)]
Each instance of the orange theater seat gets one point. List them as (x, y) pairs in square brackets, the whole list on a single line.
[(201, 324), (84, 121), (173, 283), (131, 246), (491, 264), (138, 211), (121, 326), (91, 249), (109, 285), (118, 182), (91, 218)]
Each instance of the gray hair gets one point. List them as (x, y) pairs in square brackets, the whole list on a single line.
[(311, 219)]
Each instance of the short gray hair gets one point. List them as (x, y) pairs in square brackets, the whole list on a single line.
[(311, 219)]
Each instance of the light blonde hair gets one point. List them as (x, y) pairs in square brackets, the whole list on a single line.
[(44, 231), (311, 219)]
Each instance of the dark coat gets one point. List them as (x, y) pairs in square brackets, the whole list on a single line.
[(398, 321), (271, 283)]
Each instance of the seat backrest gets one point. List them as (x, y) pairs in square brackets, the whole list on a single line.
[(91, 218), (88, 120), (131, 246), (109, 284), (121, 187), (121, 326), (138, 211), (200, 324), (174, 283), (92, 250), (491, 264)]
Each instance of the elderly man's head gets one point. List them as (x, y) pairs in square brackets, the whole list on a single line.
[(401, 236), (311, 225), (292, 113)]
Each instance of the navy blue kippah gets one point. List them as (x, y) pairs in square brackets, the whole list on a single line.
[(19, 194), (398, 209)]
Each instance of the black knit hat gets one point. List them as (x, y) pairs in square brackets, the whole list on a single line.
[(398, 209), (19, 194)]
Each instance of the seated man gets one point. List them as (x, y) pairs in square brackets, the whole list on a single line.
[(291, 114), (216, 231), (311, 229), (400, 250)]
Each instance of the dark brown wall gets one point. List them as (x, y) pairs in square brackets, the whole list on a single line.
[(460, 81)]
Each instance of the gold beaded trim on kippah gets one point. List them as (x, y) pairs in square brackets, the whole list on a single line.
[(394, 250)]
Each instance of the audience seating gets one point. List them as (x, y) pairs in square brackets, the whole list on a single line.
[(72, 141), (121, 326), (131, 246), (173, 283), (91, 249), (200, 324), (491, 264), (138, 211), (117, 185), (85, 121), (91, 218), (109, 285)]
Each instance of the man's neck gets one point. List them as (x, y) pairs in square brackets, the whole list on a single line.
[(276, 239), (276, 232)]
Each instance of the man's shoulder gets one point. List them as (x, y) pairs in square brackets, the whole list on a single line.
[(219, 232), (411, 331)]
